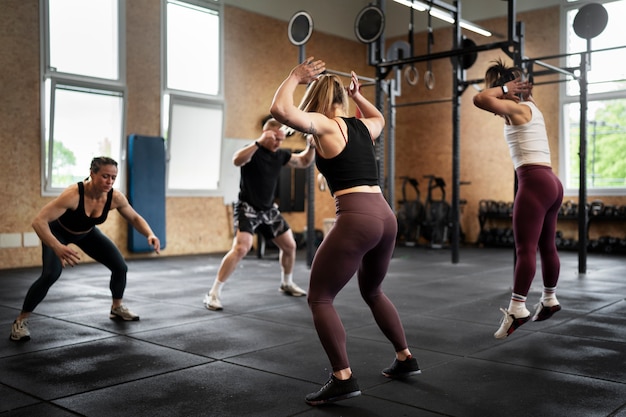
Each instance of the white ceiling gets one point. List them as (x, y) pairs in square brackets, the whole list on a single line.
[(338, 17)]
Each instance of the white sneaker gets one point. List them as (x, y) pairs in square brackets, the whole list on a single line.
[(509, 324), (292, 289), (212, 302), (19, 330), (122, 312)]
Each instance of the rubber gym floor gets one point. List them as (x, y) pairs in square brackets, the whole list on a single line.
[(260, 356)]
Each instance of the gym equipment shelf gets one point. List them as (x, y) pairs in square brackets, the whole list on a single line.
[(494, 218)]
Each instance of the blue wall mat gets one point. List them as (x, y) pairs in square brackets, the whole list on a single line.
[(146, 188)]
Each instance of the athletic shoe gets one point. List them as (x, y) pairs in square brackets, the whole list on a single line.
[(334, 390), (544, 313), (123, 313), (212, 302), (292, 289), (402, 369), (509, 324), (19, 331)]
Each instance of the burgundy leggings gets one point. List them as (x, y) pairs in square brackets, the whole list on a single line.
[(535, 212), (362, 240)]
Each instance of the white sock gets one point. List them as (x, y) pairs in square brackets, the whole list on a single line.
[(517, 306), (286, 279), (548, 297), (217, 287)]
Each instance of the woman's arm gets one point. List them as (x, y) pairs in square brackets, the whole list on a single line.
[(494, 100), (284, 109), (371, 116), (305, 158), (51, 212), (120, 202)]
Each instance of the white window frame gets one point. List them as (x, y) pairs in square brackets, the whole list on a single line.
[(49, 74), (566, 99), (171, 96)]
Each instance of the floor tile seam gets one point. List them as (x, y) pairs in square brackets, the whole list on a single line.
[(571, 374), (264, 349), (456, 356), (64, 346), (125, 382), (366, 393), (300, 326), (617, 411), (38, 399), (578, 337), (265, 371)]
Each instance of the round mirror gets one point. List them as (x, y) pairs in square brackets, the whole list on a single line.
[(369, 24), (590, 20), (300, 28)]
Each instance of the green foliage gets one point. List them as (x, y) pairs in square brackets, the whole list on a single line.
[(606, 147), (63, 162)]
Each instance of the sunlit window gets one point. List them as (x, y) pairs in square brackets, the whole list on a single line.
[(193, 48), (192, 96), (606, 114), (86, 124), (83, 89), (83, 37)]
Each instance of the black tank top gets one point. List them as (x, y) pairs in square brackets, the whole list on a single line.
[(356, 163), (77, 220)]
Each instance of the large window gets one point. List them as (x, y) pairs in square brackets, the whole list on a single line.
[(606, 114), (193, 95), (83, 88)]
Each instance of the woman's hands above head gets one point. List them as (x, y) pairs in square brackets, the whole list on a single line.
[(515, 89), (309, 70)]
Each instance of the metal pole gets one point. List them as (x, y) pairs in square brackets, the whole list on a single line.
[(380, 143), (310, 195), (391, 144), (583, 215), (457, 83)]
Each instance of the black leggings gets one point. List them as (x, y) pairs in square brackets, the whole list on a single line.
[(362, 239), (537, 204), (95, 244)]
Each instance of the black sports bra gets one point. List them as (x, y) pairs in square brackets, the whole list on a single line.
[(77, 220)]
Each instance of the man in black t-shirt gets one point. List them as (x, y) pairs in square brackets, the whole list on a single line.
[(261, 162)]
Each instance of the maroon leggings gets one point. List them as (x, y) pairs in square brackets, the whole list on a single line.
[(362, 240), (535, 212)]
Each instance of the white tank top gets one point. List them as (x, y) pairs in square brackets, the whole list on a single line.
[(528, 143)]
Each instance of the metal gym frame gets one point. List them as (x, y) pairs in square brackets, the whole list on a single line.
[(513, 47)]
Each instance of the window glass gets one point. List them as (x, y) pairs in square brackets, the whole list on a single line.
[(606, 107), (83, 94), (606, 144), (84, 37), (193, 114), (194, 146), (87, 123), (193, 39)]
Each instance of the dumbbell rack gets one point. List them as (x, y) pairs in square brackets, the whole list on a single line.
[(494, 218)]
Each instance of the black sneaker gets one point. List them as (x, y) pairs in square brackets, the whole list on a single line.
[(402, 369), (334, 390), (544, 313)]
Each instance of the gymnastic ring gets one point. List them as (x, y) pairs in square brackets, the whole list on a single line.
[(412, 75), (429, 79)]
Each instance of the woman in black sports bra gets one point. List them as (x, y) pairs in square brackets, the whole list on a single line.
[(72, 217), (363, 237)]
